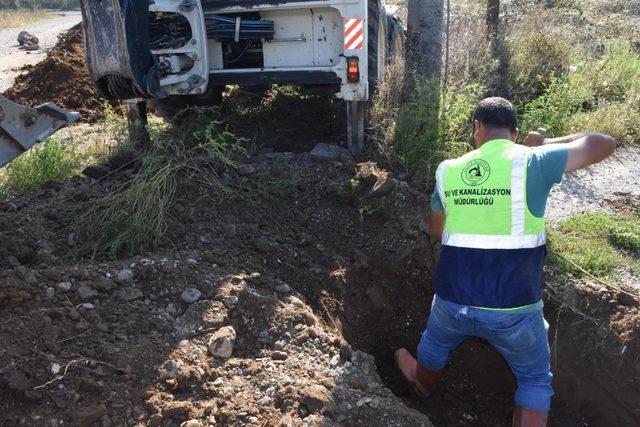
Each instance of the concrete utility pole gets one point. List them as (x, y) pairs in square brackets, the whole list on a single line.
[(424, 38)]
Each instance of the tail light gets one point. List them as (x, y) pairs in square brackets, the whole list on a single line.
[(353, 69)]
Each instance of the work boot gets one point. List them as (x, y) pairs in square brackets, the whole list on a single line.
[(523, 417), (420, 378)]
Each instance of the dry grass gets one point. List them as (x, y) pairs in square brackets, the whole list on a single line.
[(17, 18)]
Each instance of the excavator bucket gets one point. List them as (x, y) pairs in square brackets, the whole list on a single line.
[(23, 127)]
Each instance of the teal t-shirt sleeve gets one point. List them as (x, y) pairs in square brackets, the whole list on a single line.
[(546, 168), (436, 203)]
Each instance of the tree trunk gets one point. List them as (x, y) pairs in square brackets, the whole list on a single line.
[(424, 41), (493, 19)]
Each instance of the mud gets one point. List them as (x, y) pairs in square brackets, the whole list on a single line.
[(62, 78), (312, 279)]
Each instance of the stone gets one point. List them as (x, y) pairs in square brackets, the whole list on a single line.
[(190, 295), (222, 342), (129, 294), (172, 310), (246, 170), (64, 286), (315, 397), (51, 274), (324, 151), (279, 355), (104, 285), (8, 207), (283, 288), (204, 314), (86, 293), (262, 244), (155, 420), (230, 230), (384, 186), (96, 171), (88, 306), (50, 292), (230, 301), (85, 417), (169, 370), (191, 423), (124, 276)]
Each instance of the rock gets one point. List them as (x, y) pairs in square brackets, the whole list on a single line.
[(190, 295), (129, 294), (262, 244), (191, 423), (627, 300), (384, 186), (246, 170), (25, 37), (124, 158), (96, 171), (8, 207), (51, 274), (50, 292), (324, 151), (155, 420), (169, 370), (85, 417), (64, 286), (283, 288), (203, 314), (230, 301), (229, 230), (222, 342), (172, 310), (315, 397), (124, 276), (88, 306), (104, 285), (86, 293), (279, 355)]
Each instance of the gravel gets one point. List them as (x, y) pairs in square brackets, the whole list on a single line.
[(590, 188)]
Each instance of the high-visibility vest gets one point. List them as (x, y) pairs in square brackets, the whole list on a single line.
[(487, 219)]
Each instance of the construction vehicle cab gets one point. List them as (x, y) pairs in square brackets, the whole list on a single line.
[(184, 52)]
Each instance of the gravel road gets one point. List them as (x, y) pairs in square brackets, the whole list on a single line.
[(589, 189), (12, 58)]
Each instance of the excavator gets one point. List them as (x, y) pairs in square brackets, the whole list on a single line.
[(173, 54)]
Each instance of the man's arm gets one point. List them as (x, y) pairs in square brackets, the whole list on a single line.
[(436, 225), (583, 149)]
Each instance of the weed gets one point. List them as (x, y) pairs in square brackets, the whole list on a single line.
[(133, 218), (19, 17), (55, 158)]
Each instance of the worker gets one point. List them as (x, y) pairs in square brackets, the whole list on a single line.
[(488, 209)]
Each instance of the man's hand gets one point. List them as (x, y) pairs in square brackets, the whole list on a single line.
[(589, 149), (535, 139), (437, 220)]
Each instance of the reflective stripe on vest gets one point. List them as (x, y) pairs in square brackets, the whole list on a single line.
[(526, 230)]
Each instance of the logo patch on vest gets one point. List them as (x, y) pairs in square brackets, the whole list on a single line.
[(476, 172)]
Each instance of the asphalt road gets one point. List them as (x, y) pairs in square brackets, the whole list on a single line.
[(12, 58)]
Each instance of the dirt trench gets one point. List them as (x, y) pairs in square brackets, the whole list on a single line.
[(595, 357)]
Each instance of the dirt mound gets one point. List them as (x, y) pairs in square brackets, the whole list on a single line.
[(264, 309), (61, 78)]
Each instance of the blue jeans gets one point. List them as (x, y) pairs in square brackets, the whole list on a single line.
[(521, 338)]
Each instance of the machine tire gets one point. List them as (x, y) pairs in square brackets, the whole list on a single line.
[(169, 107)]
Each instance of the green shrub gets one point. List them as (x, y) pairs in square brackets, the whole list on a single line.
[(52, 159), (599, 94)]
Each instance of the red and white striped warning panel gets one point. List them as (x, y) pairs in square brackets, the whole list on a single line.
[(353, 33)]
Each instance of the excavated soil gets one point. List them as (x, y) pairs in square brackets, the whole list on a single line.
[(62, 78), (311, 285)]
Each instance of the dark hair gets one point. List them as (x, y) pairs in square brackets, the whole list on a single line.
[(498, 113)]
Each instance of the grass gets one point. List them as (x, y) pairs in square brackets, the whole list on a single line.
[(600, 243), (19, 17), (132, 218)]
